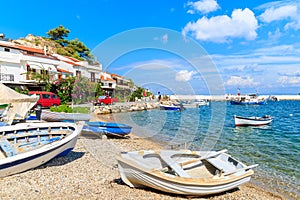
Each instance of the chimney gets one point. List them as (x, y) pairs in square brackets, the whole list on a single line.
[(45, 50)]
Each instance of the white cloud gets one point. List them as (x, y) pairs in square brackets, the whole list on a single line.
[(203, 6), (287, 80), (184, 75), (283, 12), (241, 24), (241, 81), (276, 35), (164, 39)]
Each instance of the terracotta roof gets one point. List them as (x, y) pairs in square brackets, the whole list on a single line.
[(31, 49), (73, 59), (6, 44), (106, 79), (72, 63), (64, 71), (117, 75)]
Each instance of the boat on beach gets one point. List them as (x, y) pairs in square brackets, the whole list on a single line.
[(252, 121), (14, 106), (108, 128), (184, 172), (25, 146), (62, 116)]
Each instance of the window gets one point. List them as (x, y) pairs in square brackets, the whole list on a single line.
[(78, 73), (54, 96), (46, 96), (6, 49), (92, 76)]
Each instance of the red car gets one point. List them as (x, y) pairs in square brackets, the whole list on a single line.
[(46, 99), (105, 100)]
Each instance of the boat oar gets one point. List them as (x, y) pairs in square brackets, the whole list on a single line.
[(241, 169)]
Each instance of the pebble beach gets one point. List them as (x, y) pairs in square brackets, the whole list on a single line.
[(90, 171)]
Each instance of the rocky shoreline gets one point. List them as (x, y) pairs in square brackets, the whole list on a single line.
[(90, 172), (125, 107)]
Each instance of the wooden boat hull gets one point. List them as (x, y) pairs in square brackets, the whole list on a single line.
[(137, 173), (107, 128), (252, 121), (39, 152), (60, 116)]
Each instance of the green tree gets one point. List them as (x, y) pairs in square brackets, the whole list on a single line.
[(137, 93), (59, 35), (79, 49)]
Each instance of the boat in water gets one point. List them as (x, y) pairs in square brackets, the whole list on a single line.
[(170, 107), (252, 99), (184, 172), (25, 146), (252, 121)]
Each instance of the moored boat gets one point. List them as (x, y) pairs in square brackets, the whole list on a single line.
[(185, 172), (252, 99), (28, 145), (203, 102), (252, 121), (170, 107)]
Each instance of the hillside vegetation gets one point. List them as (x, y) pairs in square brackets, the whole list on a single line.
[(58, 42)]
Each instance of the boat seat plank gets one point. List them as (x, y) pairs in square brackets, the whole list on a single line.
[(7, 147), (174, 165), (220, 164)]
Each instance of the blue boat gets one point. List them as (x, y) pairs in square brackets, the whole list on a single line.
[(170, 107), (108, 128), (26, 146), (253, 102)]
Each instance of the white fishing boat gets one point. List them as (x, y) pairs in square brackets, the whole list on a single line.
[(203, 102), (28, 145), (252, 121), (185, 172), (62, 116)]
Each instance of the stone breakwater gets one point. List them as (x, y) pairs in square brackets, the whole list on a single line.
[(125, 107)]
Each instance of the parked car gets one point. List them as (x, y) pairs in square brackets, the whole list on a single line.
[(46, 99), (105, 100)]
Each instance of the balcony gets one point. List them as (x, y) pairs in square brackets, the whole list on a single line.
[(95, 80), (7, 77)]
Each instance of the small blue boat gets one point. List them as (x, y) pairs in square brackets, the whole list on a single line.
[(170, 107), (110, 128), (261, 102)]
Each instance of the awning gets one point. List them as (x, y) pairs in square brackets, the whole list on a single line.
[(35, 65), (64, 71)]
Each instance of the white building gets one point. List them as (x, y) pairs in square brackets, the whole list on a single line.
[(18, 62)]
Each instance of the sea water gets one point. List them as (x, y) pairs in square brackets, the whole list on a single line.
[(275, 147)]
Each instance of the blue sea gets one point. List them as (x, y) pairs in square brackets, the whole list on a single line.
[(275, 147)]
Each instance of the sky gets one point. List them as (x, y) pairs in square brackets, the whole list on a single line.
[(178, 47)]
